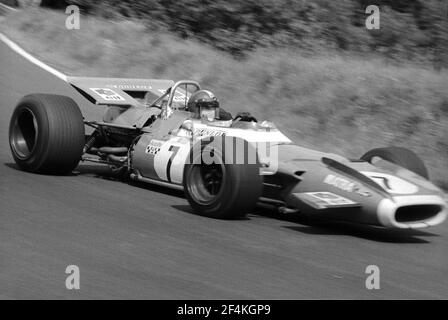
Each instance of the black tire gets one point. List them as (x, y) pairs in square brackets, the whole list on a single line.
[(46, 134), (239, 187), (400, 156)]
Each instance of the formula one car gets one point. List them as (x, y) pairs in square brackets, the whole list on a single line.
[(153, 133)]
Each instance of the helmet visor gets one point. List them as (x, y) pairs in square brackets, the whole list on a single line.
[(208, 104), (208, 109)]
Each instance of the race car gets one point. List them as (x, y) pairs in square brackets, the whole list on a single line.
[(174, 135)]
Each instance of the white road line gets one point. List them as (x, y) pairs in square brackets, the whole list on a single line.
[(32, 59), (7, 7)]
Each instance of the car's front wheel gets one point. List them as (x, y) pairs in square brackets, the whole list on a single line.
[(223, 189), (400, 156)]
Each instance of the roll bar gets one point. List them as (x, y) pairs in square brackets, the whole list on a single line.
[(172, 90)]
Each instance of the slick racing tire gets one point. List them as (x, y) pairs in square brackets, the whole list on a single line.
[(400, 156), (223, 189), (46, 134)]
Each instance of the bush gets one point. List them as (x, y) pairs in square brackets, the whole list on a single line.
[(416, 30), (56, 4)]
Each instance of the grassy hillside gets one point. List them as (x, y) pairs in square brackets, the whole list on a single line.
[(414, 30), (337, 103)]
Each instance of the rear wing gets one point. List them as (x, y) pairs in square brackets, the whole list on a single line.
[(119, 91)]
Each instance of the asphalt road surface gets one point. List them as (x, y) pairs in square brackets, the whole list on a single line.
[(136, 241)]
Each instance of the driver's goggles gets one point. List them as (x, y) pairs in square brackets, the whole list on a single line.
[(208, 104)]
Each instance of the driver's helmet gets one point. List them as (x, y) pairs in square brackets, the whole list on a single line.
[(204, 104)]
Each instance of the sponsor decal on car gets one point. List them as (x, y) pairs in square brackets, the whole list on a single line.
[(205, 132), (154, 147), (108, 94), (131, 86), (340, 183), (345, 185), (326, 199)]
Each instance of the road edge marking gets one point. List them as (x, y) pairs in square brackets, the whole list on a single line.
[(7, 7), (12, 45)]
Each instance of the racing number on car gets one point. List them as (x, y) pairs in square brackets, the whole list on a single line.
[(167, 159), (174, 150)]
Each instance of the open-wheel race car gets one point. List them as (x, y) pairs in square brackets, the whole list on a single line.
[(176, 135)]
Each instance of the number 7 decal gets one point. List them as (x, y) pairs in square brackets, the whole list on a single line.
[(174, 150)]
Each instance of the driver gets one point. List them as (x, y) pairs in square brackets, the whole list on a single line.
[(204, 105)]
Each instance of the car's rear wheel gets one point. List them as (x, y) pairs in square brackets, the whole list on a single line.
[(222, 189), (400, 156), (46, 134)]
